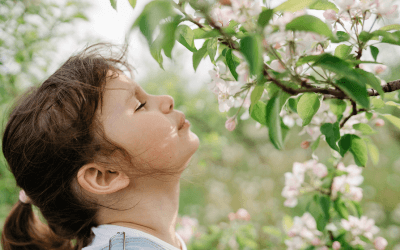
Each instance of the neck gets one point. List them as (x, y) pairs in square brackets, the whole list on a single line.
[(152, 207)]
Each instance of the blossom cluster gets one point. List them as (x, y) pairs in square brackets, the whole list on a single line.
[(295, 184), (347, 184), (365, 227), (304, 232), (241, 214)]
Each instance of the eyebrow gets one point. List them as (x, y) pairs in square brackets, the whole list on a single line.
[(131, 94)]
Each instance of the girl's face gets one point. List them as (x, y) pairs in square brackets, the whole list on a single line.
[(150, 133)]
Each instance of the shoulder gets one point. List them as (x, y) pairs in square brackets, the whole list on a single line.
[(122, 242)]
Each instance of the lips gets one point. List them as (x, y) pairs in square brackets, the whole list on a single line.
[(182, 121)]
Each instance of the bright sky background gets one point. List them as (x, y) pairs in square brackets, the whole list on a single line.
[(108, 25)]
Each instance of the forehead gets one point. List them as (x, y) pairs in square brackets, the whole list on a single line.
[(117, 90)]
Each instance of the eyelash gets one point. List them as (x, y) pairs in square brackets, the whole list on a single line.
[(141, 106)]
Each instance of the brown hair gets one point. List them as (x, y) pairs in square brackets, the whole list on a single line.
[(51, 133)]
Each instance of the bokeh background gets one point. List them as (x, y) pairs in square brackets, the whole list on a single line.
[(231, 170)]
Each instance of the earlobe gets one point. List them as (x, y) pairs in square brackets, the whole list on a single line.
[(98, 180)]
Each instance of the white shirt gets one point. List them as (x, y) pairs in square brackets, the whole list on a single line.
[(103, 233)]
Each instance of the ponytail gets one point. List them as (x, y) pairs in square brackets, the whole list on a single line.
[(23, 230)]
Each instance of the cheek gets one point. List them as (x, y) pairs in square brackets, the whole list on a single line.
[(153, 139)]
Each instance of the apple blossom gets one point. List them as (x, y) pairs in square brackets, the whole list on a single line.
[(242, 214), (222, 16), (232, 216), (304, 230), (277, 66), (348, 184), (380, 243), (230, 124), (379, 122), (380, 68), (336, 245), (305, 144), (359, 227), (330, 15)]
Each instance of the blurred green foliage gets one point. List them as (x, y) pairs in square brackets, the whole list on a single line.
[(29, 33)]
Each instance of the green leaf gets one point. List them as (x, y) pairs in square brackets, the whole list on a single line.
[(212, 48), (307, 107), (390, 27), (359, 150), (391, 38), (332, 134), (259, 112), (377, 103), (358, 208), (373, 151), (81, 16), (132, 3), (185, 36), (374, 52), (341, 209), (323, 5), (113, 4), (337, 106), (355, 90), (167, 33), (294, 5), (232, 61), (198, 55), (256, 95), (274, 122), (352, 84), (155, 50), (365, 129), (150, 18), (315, 144), (264, 17), (311, 24), (250, 46), (393, 119), (342, 37), (344, 144), (325, 203), (369, 78), (292, 103), (343, 51), (392, 103)]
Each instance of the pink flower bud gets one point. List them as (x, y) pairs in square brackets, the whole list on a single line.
[(232, 216), (277, 46), (230, 124), (380, 68), (225, 2), (316, 242), (242, 214), (305, 144), (379, 122), (330, 15), (380, 243), (336, 245)]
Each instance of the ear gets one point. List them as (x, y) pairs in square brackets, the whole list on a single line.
[(98, 180)]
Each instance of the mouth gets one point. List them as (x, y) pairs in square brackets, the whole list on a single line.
[(182, 122)]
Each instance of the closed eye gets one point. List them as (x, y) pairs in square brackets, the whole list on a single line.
[(141, 106)]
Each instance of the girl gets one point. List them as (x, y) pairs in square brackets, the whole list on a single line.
[(99, 157)]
